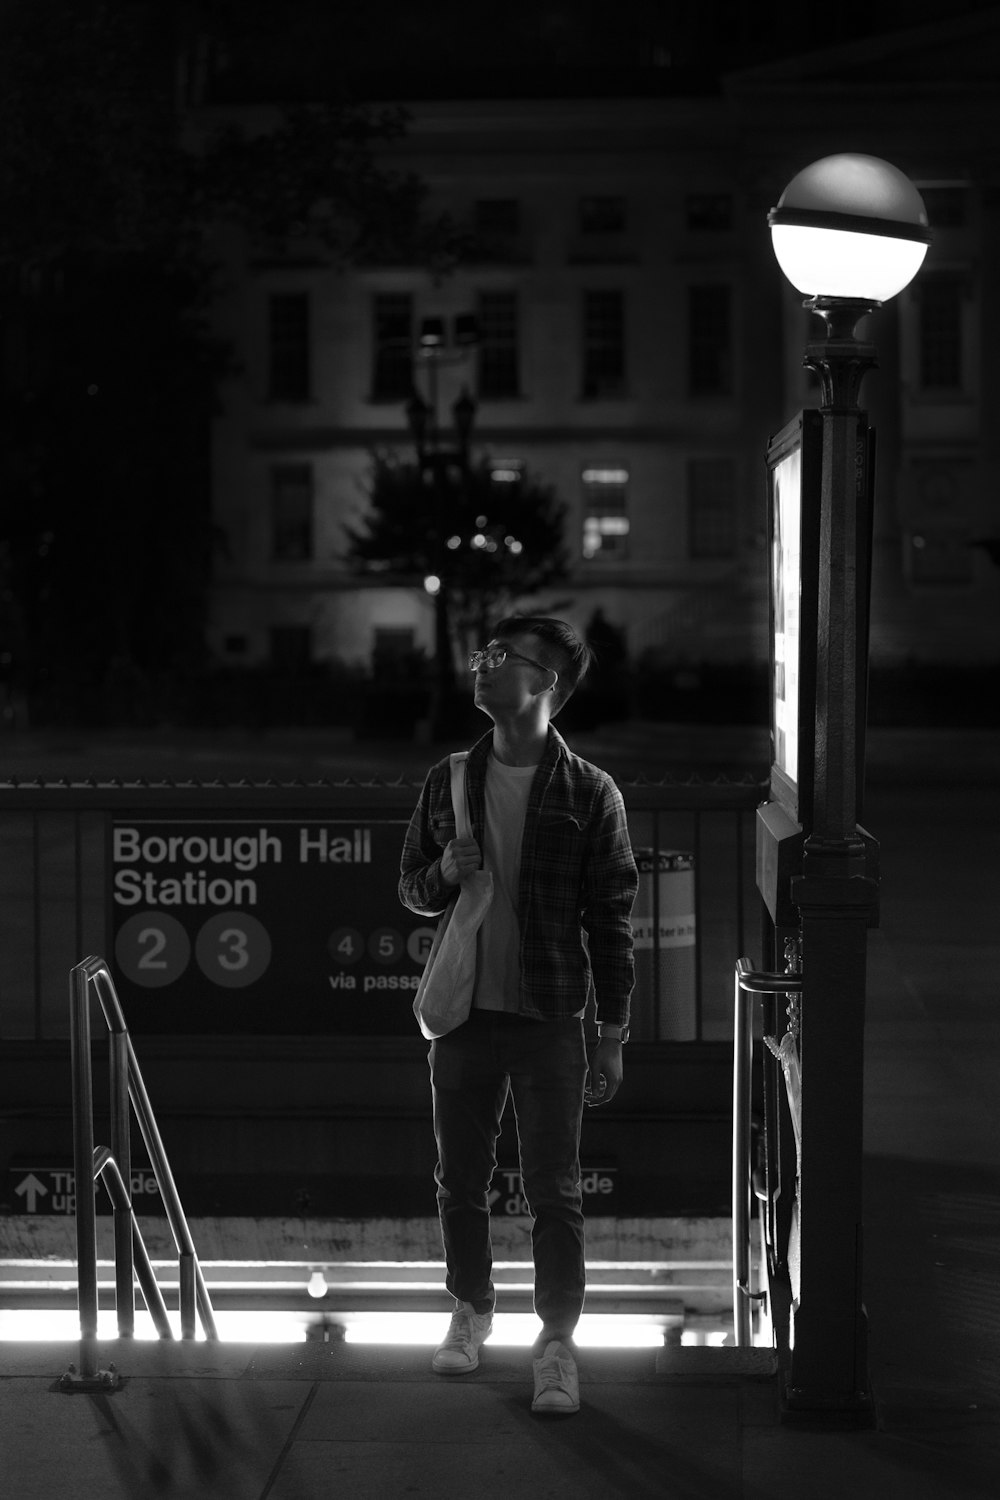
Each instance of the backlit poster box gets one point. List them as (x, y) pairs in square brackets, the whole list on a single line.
[(786, 569), (795, 478), (794, 469)]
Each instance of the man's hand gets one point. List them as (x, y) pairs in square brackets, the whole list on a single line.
[(605, 1072), (460, 858)]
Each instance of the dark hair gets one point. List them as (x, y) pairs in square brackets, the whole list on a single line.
[(564, 651)]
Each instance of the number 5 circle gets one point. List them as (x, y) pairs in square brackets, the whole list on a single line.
[(152, 949), (233, 949)]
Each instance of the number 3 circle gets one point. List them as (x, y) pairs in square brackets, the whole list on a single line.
[(152, 949), (233, 949)]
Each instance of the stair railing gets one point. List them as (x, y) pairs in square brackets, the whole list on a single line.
[(113, 1166), (748, 984)]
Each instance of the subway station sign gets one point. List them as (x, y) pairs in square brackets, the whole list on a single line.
[(287, 925)]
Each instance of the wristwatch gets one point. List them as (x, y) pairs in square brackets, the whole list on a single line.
[(607, 1027)]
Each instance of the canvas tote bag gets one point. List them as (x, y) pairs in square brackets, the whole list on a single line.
[(444, 994)]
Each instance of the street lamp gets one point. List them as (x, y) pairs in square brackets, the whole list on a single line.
[(442, 467), (850, 232), (850, 226), (436, 349)]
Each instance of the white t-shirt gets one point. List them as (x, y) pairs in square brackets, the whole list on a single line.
[(498, 963)]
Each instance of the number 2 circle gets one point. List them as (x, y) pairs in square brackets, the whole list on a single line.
[(152, 949), (233, 949)]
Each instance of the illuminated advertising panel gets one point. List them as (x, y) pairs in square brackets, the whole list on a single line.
[(794, 466), (786, 586)]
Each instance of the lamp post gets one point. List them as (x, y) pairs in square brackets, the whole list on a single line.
[(441, 467), (850, 232)]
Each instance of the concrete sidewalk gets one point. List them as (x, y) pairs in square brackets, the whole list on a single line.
[(324, 1420), (307, 1422)]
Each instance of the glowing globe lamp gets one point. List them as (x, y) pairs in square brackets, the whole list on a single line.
[(850, 226)]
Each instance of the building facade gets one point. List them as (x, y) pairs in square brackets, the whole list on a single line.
[(636, 348)]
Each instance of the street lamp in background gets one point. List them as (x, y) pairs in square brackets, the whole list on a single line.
[(441, 466), (849, 232), (435, 348)]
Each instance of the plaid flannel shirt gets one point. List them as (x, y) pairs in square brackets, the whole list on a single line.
[(578, 878)]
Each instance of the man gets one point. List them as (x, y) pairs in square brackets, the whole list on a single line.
[(552, 829)]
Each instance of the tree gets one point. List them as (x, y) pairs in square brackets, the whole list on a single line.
[(109, 372), (478, 544)]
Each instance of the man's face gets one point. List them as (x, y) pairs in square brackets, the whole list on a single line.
[(512, 688)]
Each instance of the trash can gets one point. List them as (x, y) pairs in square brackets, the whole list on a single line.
[(664, 949)]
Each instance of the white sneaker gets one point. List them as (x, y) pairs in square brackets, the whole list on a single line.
[(459, 1353), (557, 1383)]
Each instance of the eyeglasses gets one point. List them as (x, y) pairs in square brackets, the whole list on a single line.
[(495, 656)]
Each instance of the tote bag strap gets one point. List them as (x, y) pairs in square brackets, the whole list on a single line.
[(458, 797)]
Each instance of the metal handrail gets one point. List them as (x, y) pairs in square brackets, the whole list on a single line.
[(113, 1166), (748, 983), (108, 1170)]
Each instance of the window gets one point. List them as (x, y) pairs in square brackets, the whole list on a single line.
[(497, 230), (497, 217), (603, 344), (291, 647), (711, 507), (392, 378), (710, 360), (291, 512), (605, 514), (709, 212), (939, 546), (940, 300), (602, 215), (498, 352), (288, 347), (504, 471)]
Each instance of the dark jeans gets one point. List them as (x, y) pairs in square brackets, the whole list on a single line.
[(543, 1064)]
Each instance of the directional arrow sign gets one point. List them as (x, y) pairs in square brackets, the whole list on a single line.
[(31, 1189)]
